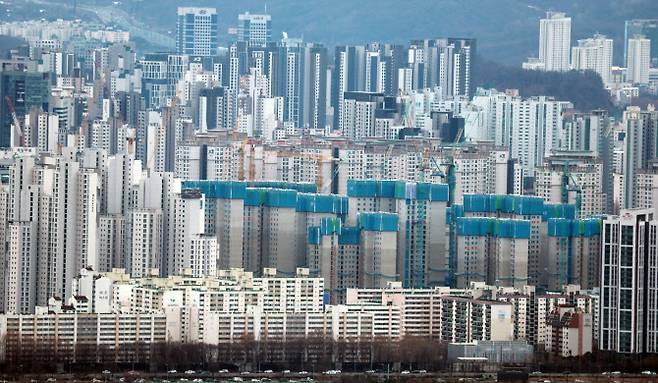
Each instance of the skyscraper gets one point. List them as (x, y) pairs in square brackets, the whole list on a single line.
[(593, 54), (160, 75), (555, 41), (26, 90), (638, 60), (196, 31), (640, 128), (628, 283), (646, 27), (302, 82), (446, 63), (360, 112), (255, 30), (348, 65), (211, 109)]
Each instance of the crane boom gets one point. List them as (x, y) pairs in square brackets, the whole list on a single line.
[(16, 122)]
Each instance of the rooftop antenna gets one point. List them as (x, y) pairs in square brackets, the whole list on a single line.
[(266, 8), (75, 9)]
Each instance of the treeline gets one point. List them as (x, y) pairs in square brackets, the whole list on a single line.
[(596, 362), (583, 89), (316, 353)]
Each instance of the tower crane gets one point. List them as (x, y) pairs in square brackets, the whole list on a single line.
[(448, 164), (16, 123), (569, 184)]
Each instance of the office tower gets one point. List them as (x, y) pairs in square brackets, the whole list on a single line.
[(25, 90), (255, 30), (638, 60), (197, 31), (555, 41), (628, 282), (594, 54), (646, 27)]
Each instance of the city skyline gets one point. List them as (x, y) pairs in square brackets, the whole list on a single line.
[(279, 202)]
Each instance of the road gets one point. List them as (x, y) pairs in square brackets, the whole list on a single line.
[(113, 15)]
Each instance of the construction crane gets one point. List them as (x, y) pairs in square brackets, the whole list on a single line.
[(448, 164), (16, 123), (252, 166), (407, 111), (387, 157), (569, 184), (450, 174)]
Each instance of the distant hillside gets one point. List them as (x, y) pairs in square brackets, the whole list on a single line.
[(584, 90), (507, 30), (8, 43)]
